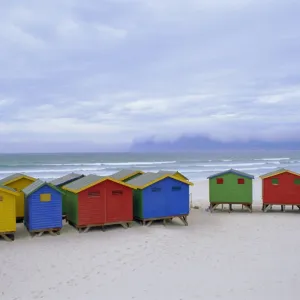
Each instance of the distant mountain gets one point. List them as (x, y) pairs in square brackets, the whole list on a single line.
[(200, 143)]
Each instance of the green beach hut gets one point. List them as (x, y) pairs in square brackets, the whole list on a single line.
[(230, 187), (60, 182)]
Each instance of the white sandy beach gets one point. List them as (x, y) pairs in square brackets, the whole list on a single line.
[(236, 256)]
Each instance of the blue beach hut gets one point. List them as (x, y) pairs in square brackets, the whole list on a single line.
[(43, 208), (160, 197)]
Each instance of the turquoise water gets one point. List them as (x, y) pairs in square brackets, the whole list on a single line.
[(193, 165)]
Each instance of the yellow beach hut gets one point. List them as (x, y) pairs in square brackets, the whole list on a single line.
[(7, 212), (18, 182)]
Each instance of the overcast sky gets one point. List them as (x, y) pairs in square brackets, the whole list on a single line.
[(76, 72)]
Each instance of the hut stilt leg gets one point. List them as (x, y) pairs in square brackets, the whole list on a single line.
[(184, 220), (86, 229), (124, 225), (6, 237), (40, 233), (164, 222), (230, 207), (52, 233), (149, 223)]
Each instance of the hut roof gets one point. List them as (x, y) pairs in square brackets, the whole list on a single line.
[(66, 178), (171, 173), (232, 171), (277, 172), (89, 181), (150, 178), (8, 189), (37, 185), (14, 177), (125, 173)]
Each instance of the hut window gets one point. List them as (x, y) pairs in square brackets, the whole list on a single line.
[(220, 180), (93, 194), (297, 181), (117, 192), (176, 188), (45, 197), (275, 181), (156, 189), (1, 198), (241, 181)]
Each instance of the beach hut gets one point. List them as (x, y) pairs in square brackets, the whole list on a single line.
[(160, 197), (280, 187), (230, 187), (43, 208), (64, 180), (7, 212), (18, 181), (173, 173), (126, 174), (98, 201)]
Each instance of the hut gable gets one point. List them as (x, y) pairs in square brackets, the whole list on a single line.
[(173, 173), (126, 174), (7, 189), (150, 178), (232, 171), (37, 185), (66, 179), (15, 177), (278, 172), (89, 181)]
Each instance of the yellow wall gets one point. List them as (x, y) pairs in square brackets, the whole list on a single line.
[(7, 212), (179, 176), (19, 185)]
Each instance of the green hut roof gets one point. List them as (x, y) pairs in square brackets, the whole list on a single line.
[(83, 182), (232, 171), (124, 173), (66, 178)]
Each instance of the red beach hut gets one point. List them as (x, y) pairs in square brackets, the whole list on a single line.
[(97, 201), (281, 187)]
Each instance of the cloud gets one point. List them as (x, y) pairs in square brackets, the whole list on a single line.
[(109, 72)]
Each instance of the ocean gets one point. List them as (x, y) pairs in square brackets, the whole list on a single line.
[(195, 165)]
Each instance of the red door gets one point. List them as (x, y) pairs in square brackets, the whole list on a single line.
[(119, 203), (91, 205)]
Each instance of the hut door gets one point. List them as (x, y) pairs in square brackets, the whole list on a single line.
[(93, 207), (118, 203)]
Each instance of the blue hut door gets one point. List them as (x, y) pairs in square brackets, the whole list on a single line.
[(155, 202), (178, 198)]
